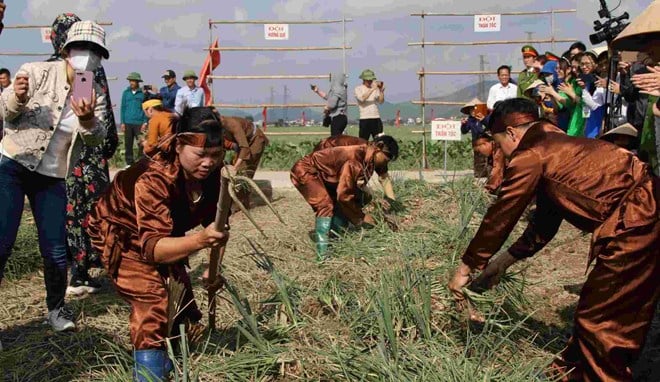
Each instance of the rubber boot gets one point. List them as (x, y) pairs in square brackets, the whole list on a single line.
[(151, 365), (339, 224), (322, 234)]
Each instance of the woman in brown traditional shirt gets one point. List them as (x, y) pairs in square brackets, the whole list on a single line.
[(139, 226), (161, 122), (250, 142), (334, 177)]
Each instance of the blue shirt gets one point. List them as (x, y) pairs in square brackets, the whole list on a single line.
[(473, 126), (187, 98), (169, 95), (131, 107)]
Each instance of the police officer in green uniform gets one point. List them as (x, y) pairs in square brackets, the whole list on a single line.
[(528, 75)]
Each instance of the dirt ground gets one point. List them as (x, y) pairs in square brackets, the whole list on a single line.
[(32, 352)]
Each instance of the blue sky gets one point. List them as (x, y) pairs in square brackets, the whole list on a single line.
[(150, 36)]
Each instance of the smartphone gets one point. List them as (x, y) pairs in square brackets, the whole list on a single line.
[(83, 83), (312, 86)]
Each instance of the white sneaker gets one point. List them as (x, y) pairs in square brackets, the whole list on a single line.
[(61, 319)]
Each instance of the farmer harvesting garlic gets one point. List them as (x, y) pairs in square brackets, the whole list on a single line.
[(615, 199), (332, 179), (139, 226)]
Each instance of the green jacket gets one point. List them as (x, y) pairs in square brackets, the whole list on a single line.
[(648, 150), (577, 121), (525, 78)]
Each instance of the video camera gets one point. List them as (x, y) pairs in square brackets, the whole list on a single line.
[(608, 30)]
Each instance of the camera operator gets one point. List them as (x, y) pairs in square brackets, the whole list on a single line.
[(643, 35)]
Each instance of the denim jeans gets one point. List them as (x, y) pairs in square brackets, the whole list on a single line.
[(47, 199)]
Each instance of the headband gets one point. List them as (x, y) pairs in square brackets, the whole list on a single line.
[(197, 140), (514, 119), (151, 103)]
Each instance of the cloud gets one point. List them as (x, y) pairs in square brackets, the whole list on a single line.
[(241, 14), (261, 60), (170, 3), (47, 10), (401, 65), (301, 9), (118, 35), (184, 27)]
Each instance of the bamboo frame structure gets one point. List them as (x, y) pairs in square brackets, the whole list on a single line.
[(31, 26), (269, 105), (423, 73), (275, 77), (276, 49), (343, 48)]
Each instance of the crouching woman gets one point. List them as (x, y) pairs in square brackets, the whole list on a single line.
[(139, 226)]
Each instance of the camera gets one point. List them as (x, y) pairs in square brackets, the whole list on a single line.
[(147, 88), (608, 30)]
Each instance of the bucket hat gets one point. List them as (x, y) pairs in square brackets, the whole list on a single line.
[(189, 74), (134, 76), (87, 31), (368, 75)]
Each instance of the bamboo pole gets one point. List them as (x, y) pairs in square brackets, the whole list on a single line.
[(273, 77), (269, 105), (502, 14), (446, 103), (497, 42), (276, 49), (298, 22), (27, 26), (19, 54), (477, 72)]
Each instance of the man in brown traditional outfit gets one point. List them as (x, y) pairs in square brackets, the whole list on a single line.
[(139, 226), (616, 199), (335, 177), (349, 140), (249, 142)]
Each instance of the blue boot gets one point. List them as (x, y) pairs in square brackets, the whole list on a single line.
[(151, 365), (339, 224)]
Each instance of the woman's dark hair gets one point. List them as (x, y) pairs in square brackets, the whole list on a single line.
[(389, 145), (201, 120), (512, 105), (542, 59), (578, 45)]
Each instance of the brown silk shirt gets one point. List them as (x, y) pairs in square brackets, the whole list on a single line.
[(148, 202), (596, 186), (348, 168), (240, 131), (346, 140)]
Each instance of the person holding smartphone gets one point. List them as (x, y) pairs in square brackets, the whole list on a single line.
[(369, 95), (336, 107), (47, 129)]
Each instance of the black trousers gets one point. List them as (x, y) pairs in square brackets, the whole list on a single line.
[(338, 125), (132, 133), (370, 128)]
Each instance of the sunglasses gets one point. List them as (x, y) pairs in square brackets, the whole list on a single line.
[(167, 77)]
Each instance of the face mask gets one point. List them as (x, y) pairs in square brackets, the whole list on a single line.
[(81, 59)]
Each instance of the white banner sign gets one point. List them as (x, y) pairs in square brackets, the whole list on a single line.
[(276, 31), (487, 23), (45, 35), (445, 130)]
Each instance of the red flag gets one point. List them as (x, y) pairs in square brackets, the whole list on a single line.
[(264, 114), (212, 61), (304, 120), (397, 120)]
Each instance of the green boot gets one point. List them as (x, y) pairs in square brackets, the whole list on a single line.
[(339, 224), (322, 234)]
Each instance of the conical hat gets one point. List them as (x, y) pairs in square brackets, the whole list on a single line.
[(643, 30), (625, 129), (533, 86), (598, 50), (474, 102)]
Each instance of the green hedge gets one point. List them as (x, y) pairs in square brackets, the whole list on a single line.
[(282, 155)]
